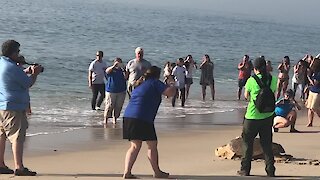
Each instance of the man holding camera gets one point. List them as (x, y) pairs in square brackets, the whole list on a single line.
[(14, 100)]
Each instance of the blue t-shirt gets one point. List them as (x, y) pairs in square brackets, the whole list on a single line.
[(14, 86), (116, 83), (145, 101), (283, 109)]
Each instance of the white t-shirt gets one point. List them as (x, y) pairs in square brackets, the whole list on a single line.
[(98, 71), (137, 69), (179, 73)]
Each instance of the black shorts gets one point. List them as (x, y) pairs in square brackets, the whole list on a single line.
[(136, 129), (242, 82)]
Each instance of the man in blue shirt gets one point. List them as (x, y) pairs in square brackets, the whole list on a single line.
[(14, 100)]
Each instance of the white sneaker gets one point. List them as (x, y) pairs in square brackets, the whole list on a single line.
[(98, 108)]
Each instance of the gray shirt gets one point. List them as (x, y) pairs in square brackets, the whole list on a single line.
[(136, 69)]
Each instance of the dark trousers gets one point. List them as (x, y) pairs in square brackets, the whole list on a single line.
[(96, 89), (182, 95), (250, 130)]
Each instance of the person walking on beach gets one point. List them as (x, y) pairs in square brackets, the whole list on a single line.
[(206, 78), (138, 120), (313, 101), (136, 68), (96, 80), (257, 122), (115, 90), (283, 76), (285, 112), (245, 68), (179, 73), (190, 66), (14, 100)]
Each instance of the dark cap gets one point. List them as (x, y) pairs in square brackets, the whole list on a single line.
[(259, 63)]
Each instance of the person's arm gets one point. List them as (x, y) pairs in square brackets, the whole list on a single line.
[(246, 95), (295, 68), (90, 78), (35, 71), (169, 91), (280, 66), (111, 68), (240, 66)]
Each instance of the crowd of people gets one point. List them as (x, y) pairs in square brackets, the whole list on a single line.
[(271, 105)]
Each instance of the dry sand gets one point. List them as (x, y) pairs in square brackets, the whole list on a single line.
[(98, 153)]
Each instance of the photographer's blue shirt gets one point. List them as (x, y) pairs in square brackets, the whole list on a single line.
[(145, 101), (14, 86), (116, 83)]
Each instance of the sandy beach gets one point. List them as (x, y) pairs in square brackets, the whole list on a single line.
[(186, 153)]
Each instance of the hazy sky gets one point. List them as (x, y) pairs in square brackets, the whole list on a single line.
[(287, 11)]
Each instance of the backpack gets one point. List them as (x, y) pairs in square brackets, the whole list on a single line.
[(265, 101)]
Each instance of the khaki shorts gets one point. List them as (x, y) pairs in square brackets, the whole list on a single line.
[(313, 101), (114, 103), (14, 125)]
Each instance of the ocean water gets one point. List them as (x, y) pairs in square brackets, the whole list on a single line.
[(63, 36)]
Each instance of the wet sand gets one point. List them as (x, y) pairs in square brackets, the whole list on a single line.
[(186, 151)]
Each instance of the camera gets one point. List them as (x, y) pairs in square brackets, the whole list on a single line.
[(35, 64)]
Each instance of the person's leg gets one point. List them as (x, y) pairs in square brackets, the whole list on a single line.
[(280, 122), (187, 90), (2, 149), (310, 117), (183, 96), (240, 86), (109, 106), (212, 91), (174, 98), (285, 86), (249, 132), (204, 92), (118, 106), (303, 96), (265, 134), (292, 117), (17, 150), (131, 157), (95, 92), (102, 94), (279, 88), (153, 157)]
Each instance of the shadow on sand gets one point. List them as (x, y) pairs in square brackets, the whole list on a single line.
[(144, 176)]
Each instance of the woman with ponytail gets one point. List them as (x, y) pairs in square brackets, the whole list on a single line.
[(138, 120), (257, 122)]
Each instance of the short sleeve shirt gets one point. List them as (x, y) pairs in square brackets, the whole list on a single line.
[(253, 88), (116, 83), (136, 69), (98, 71), (179, 73), (145, 101), (283, 109), (14, 86)]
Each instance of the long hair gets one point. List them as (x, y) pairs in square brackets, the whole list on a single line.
[(152, 73)]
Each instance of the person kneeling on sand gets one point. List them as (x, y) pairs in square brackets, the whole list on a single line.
[(285, 112)]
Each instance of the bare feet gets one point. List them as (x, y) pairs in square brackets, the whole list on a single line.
[(129, 176), (309, 125), (161, 174)]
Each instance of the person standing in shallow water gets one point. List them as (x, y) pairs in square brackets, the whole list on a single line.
[(136, 68), (257, 123), (190, 66), (283, 76), (115, 91), (138, 120), (206, 78), (245, 68), (96, 77), (179, 74)]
